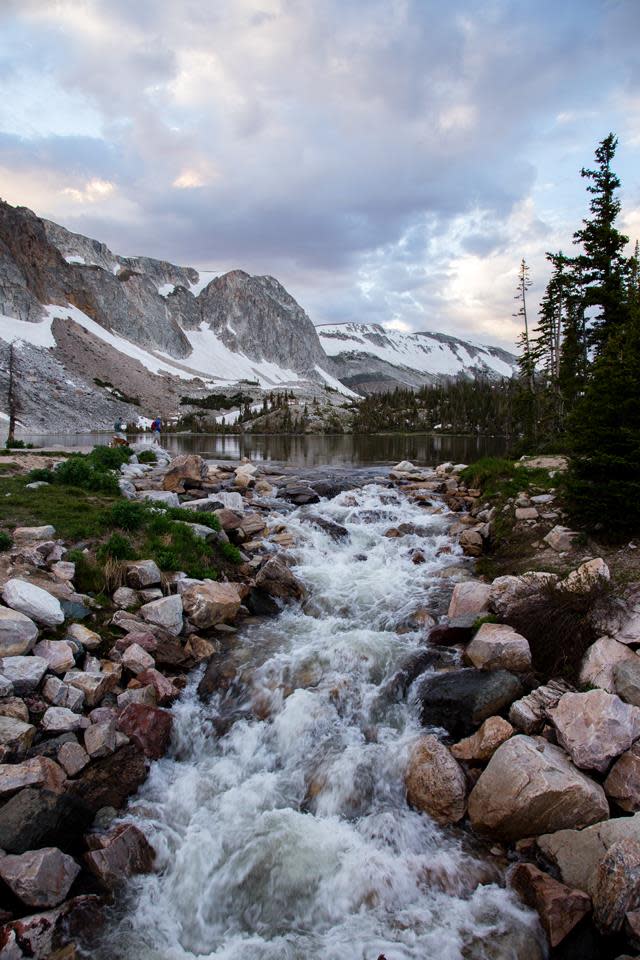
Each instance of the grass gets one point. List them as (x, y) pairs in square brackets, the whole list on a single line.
[(74, 512), (147, 456), (498, 477)]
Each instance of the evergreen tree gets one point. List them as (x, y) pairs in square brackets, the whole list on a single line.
[(527, 359), (602, 244)]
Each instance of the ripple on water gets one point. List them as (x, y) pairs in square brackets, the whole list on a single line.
[(289, 838)]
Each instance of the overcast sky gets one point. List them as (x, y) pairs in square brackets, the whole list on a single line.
[(389, 161)]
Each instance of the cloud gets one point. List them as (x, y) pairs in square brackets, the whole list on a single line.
[(388, 160)]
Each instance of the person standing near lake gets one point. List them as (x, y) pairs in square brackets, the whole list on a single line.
[(156, 428)]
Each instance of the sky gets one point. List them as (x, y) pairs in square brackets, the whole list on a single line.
[(389, 161)]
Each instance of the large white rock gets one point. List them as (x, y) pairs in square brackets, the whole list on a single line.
[(24, 534), (17, 633), (498, 647), (586, 574), (209, 603), (599, 661), (577, 853), (135, 659), (471, 596), (143, 573), (561, 539), (25, 673), (166, 613), (595, 727), (33, 601), (63, 720), (531, 787), (168, 497), (229, 500)]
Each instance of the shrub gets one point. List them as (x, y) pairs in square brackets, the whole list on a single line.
[(41, 473), (79, 471), (561, 622), (127, 515), (117, 547), (192, 516), (88, 578), (18, 445), (5, 541), (230, 552), (109, 458), (147, 456)]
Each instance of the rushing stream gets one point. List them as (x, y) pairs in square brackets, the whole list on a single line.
[(284, 833)]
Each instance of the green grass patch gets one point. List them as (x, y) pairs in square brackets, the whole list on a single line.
[(230, 552), (496, 476), (147, 456), (5, 540), (75, 513)]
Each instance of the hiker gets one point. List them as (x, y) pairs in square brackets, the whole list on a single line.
[(119, 438), (156, 427)]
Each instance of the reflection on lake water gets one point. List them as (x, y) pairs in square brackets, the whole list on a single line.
[(311, 450)]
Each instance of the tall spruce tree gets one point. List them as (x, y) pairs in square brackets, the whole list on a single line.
[(602, 259)]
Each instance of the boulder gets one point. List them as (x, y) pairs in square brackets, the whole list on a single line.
[(472, 543), (529, 714), (108, 781), (17, 633), (167, 497), (508, 593), (135, 659), (186, 470), (119, 854), (457, 630), (100, 739), (498, 647), (435, 781), (211, 602), (73, 758), (16, 736), (275, 579), (461, 700), (63, 570), (142, 574), (57, 653), (125, 598), (33, 601), (35, 817), (94, 686), (529, 788), (149, 728), (561, 539), (144, 694), (597, 668), (166, 613), (577, 853), (14, 707), (626, 679), (143, 638), (63, 720), (89, 639), (25, 673), (51, 935), (582, 578), (164, 689), (40, 878), (36, 772), (595, 727), (27, 534), (526, 513), (559, 907), (617, 885), (6, 688), (481, 746), (60, 694), (469, 597), (623, 783)]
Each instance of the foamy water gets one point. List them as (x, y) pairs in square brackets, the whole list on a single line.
[(289, 838)]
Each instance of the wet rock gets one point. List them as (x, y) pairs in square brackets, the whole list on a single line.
[(120, 854), (623, 783), (497, 646), (469, 597), (199, 648), (89, 639), (529, 714), (57, 653), (33, 601), (40, 878), (595, 727), (260, 604), (460, 700), (35, 817), (559, 907), (334, 530), (529, 788), (457, 630), (166, 613), (597, 668), (43, 936), (164, 689), (149, 728), (135, 659), (36, 772), (577, 853), (61, 694), (17, 633), (483, 744), (63, 720), (626, 678), (561, 539), (16, 737), (143, 573), (94, 686), (435, 781), (617, 887), (186, 470), (211, 602), (25, 673), (108, 781), (73, 758), (275, 579)]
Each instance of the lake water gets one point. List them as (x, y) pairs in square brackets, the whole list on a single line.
[(310, 451)]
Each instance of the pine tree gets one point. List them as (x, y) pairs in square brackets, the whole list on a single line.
[(12, 399), (602, 244), (527, 360)]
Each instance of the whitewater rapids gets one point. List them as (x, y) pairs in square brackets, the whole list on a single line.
[(289, 836)]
